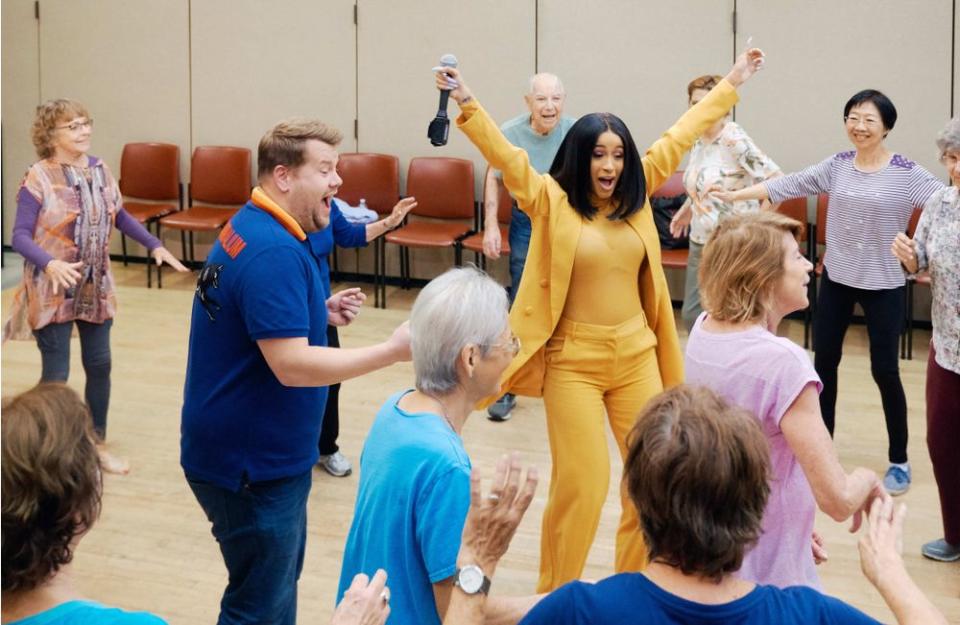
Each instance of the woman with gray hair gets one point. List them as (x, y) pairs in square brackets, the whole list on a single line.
[(935, 247), (414, 471)]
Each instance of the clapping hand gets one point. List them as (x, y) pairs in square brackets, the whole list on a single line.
[(344, 306), (399, 212)]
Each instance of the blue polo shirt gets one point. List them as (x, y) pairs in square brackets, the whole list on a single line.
[(239, 424), (340, 232)]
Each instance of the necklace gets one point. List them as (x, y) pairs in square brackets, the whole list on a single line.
[(443, 412)]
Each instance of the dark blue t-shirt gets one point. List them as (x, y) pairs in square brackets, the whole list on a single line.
[(632, 598), (238, 422), (340, 232)]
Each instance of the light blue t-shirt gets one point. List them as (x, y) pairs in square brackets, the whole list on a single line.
[(411, 505), (89, 613), (540, 148)]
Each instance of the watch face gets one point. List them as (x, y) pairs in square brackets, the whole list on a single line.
[(470, 579)]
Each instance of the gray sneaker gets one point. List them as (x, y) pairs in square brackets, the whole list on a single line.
[(941, 551), (336, 464), (897, 481), (501, 409)]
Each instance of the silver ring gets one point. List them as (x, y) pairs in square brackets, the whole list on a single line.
[(493, 497), (385, 596)]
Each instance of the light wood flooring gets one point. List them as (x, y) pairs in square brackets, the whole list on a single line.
[(153, 550)]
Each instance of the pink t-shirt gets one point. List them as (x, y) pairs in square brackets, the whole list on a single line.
[(764, 374)]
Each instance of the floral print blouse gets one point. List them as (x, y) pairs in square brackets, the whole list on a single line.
[(734, 162), (938, 250)]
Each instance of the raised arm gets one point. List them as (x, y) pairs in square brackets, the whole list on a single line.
[(664, 156), (839, 494), (520, 178)]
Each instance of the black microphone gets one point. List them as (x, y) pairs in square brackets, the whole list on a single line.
[(439, 128)]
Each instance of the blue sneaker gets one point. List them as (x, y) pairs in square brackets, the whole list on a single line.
[(897, 481)]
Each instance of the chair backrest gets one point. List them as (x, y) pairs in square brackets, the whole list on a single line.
[(504, 203), (672, 187), (443, 187), (150, 171), (914, 220), (373, 177), (796, 208), (823, 202), (220, 175)]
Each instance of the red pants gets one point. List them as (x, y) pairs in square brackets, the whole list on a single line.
[(943, 441)]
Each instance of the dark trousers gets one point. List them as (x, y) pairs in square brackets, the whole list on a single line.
[(883, 311), (54, 343), (330, 428), (519, 237), (262, 533), (943, 434)]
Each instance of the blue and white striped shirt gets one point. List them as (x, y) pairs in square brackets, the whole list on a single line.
[(866, 212)]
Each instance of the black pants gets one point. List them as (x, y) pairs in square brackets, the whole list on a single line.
[(330, 429), (883, 311), (54, 343)]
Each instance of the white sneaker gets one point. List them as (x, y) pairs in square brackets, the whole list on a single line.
[(336, 464)]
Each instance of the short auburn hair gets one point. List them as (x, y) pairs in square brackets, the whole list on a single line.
[(284, 144), (50, 479), (49, 115), (697, 470), (742, 263), (705, 82)]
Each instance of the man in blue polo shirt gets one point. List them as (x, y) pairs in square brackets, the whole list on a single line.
[(258, 367)]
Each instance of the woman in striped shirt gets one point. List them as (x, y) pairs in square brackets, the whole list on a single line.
[(873, 192)]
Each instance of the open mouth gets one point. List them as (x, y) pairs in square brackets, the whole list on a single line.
[(607, 183)]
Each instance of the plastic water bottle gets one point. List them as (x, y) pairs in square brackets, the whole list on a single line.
[(363, 204)]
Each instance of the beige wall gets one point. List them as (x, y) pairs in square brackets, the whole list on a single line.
[(197, 72)]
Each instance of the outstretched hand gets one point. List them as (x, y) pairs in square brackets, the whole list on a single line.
[(747, 64), (162, 255), (364, 603), (63, 274), (399, 212), (493, 520)]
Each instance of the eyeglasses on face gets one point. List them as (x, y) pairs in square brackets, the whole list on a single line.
[(512, 345), (74, 126), (856, 120)]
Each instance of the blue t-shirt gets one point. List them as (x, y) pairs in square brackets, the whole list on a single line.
[(631, 597), (340, 232), (82, 612), (413, 499), (238, 422)]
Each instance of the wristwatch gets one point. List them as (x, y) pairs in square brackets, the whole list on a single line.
[(471, 580)]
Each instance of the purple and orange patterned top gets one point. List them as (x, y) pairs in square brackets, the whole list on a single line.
[(68, 213)]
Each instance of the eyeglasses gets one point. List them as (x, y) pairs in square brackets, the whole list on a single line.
[(869, 122), (511, 346), (950, 159), (77, 125)]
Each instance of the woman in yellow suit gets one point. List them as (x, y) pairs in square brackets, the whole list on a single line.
[(593, 313)]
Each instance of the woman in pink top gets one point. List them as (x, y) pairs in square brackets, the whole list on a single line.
[(751, 276)]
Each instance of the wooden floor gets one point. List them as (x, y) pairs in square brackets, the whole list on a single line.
[(153, 550)]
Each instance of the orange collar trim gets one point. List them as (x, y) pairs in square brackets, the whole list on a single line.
[(261, 200)]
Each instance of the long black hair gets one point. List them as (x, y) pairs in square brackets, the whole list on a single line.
[(571, 166)]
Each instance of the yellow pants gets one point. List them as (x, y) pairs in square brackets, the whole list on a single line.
[(591, 369)]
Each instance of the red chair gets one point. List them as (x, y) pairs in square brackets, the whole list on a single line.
[(220, 182), (474, 242), (376, 179), (797, 209), (673, 259), (444, 191), (151, 172)]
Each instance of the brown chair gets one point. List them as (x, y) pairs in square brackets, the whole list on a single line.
[(672, 259), (376, 179), (474, 242), (219, 176), (151, 172), (444, 191), (923, 279), (818, 248), (797, 209)]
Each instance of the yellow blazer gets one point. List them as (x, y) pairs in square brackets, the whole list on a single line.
[(556, 231)]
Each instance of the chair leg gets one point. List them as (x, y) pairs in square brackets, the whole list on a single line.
[(383, 275), (123, 248), (183, 246), (160, 266), (193, 255), (376, 273)]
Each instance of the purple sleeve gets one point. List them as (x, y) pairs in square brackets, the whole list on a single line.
[(126, 224), (796, 372), (28, 209), (346, 234), (813, 180), (923, 184)]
